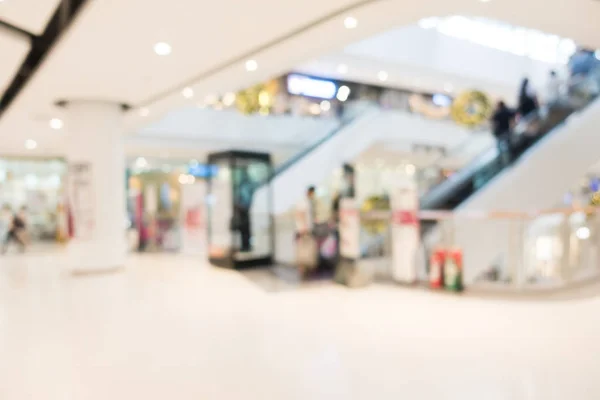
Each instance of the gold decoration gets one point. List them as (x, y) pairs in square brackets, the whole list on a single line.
[(375, 203), (257, 99), (471, 108)]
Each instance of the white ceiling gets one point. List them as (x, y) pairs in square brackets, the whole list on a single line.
[(29, 15), (13, 49), (107, 53)]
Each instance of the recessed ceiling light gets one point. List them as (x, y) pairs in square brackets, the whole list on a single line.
[(485, 1), (30, 144), (56, 123), (382, 75), (325, 105), (342, 69), (144, 112), (350, 22), (188, 92), (228, 99), (251, 65), (162, 48)]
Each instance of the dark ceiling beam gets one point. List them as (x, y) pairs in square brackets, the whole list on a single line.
[(63, 16), (16, 29)]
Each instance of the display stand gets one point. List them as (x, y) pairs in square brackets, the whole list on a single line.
[(240, 231)]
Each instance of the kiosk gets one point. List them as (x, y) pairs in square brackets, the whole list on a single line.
[(240, 226)]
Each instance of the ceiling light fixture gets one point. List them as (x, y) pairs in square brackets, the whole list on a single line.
[(188, 92), (342, 69), (382, 75), (30, 144), (251, 65), (144, 112), (343, 93), (162, 48), (350, 22), (325, 105), (485, 1), (56, 123), (229, 99)]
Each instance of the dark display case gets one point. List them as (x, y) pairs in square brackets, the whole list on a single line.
[(240, 226)]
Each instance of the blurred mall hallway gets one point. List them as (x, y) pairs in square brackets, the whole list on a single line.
[(171, 327)]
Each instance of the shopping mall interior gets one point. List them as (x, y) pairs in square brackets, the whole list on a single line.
[(369, 199)]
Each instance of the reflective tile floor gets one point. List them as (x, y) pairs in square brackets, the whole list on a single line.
[(170, 327)]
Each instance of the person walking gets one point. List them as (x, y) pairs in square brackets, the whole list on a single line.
[(502, 121), (16, 231)]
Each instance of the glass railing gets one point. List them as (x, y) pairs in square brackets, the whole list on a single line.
[(546, 250), (530, 129), (352, 112)]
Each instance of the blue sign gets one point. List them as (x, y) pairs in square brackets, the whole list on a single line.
[(203, 170)]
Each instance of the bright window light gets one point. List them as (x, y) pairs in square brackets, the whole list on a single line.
[(520, 41)]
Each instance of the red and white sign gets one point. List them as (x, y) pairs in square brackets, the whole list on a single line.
[(405, 231), (193, 211)]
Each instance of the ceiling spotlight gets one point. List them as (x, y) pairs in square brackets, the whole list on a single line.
[(342, 69), (325, 105), (343, 93), (228, 99), (382, 75), (350, 22), (30, 144), (144, 112), (188, 92), (162, 48), (56, 123), (251, 65), (583, 233)]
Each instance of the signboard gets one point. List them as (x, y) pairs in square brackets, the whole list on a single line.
[(193, 240), (405, 232), (349, 228), (81, 200)]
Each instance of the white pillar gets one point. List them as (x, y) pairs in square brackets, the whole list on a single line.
[(96, 182)]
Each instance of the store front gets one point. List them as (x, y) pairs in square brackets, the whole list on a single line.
[(38, 184), (165, 203)]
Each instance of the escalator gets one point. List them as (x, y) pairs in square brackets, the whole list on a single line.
[(533, 136)]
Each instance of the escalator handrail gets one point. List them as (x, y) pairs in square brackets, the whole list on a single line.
[(345, 121)]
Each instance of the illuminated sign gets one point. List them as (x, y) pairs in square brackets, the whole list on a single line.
[(311, 87), (203, 170)]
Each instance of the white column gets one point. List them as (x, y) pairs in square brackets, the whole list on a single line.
[(96, 182)]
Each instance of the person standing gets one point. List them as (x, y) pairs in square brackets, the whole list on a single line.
[(528, 101), (502, 122)]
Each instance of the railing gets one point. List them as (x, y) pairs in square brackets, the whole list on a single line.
[(352, 113), (550, 249), (528, 132)]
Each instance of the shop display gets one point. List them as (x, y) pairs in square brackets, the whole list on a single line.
[(240, 229)]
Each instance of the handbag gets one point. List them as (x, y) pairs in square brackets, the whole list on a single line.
[(307, 254)]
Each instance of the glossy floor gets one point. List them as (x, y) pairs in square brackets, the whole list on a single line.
[(170, 327)]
